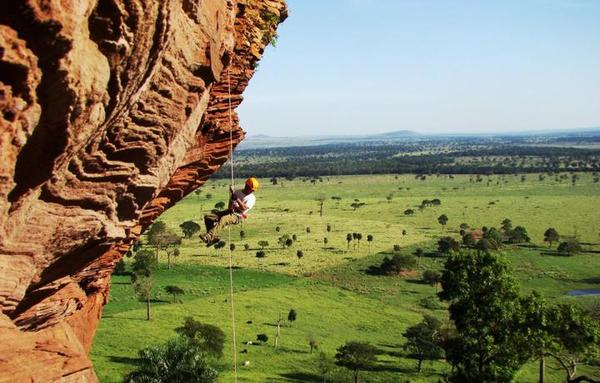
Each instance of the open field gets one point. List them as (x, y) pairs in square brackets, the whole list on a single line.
[(335, 299)]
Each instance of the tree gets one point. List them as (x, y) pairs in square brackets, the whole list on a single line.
[(484, 245), (369, 240), (154, 234), (189, 228), (278, 333), (358, 238), (175, 291), (409, 212), (328, 228), (246, 247), (292, 316), (264, 338), (162, 237), (172, 251), (469, 240), (220, 205), (325, 365), (263, 244), (349, 238), (325, 241), (308, 230), (422, 340), (518, 235), (431, 277), (443, 220), (577, 336), (355, 205), (299, 254), (219, 245), (119, 267), (312, 342), (143, 291), (285, 241), (260, 254), (494, 238), (563, 332), (242, 234), (207, 337), (483, 304), (569, 247), (448, 244), (179, 360), (137, 246), (506, 226), (389, 197), (321, 201), (419, 252), (397, 264), (356, 356), (143, 263), (551, 235)]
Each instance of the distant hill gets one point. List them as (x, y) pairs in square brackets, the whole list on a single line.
[(265, 141), (397, 134), (562, 136)]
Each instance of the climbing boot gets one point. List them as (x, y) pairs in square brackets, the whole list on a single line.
[(204, 237), (212, 242)]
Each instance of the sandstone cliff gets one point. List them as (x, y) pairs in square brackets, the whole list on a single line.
[(111, 111)]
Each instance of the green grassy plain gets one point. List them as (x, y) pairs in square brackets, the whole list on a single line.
[(335, 299)]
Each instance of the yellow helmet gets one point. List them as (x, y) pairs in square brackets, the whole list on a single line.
[(252, 183)]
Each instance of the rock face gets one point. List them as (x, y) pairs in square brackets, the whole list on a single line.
[(111, 111)]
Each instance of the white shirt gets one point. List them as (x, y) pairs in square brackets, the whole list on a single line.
[(248, 199)]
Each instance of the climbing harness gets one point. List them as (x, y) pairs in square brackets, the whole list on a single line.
[(229, 229)]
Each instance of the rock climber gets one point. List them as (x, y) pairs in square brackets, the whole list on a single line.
[(240, 202)]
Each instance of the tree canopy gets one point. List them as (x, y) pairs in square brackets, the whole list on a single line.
[(208, 338), (397, 264), (482, 302), (569, 247), (422, 340), (448, 244), (177, 361), (356, 356), (189, 228), (551, 235)]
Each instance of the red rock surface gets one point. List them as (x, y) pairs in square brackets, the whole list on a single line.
[(111, 111)]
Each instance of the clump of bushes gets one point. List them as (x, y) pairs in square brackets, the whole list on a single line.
[(395, 265)]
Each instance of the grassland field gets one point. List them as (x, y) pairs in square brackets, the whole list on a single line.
[(335, 299)]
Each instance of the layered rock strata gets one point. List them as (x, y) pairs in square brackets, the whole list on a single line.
[(111, 112)]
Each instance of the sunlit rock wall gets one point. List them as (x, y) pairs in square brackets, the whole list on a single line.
[(111, 111)]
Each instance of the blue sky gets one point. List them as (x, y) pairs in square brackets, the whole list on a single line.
[(453, 66)]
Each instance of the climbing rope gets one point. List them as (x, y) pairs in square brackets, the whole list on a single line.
[(229, 230)]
